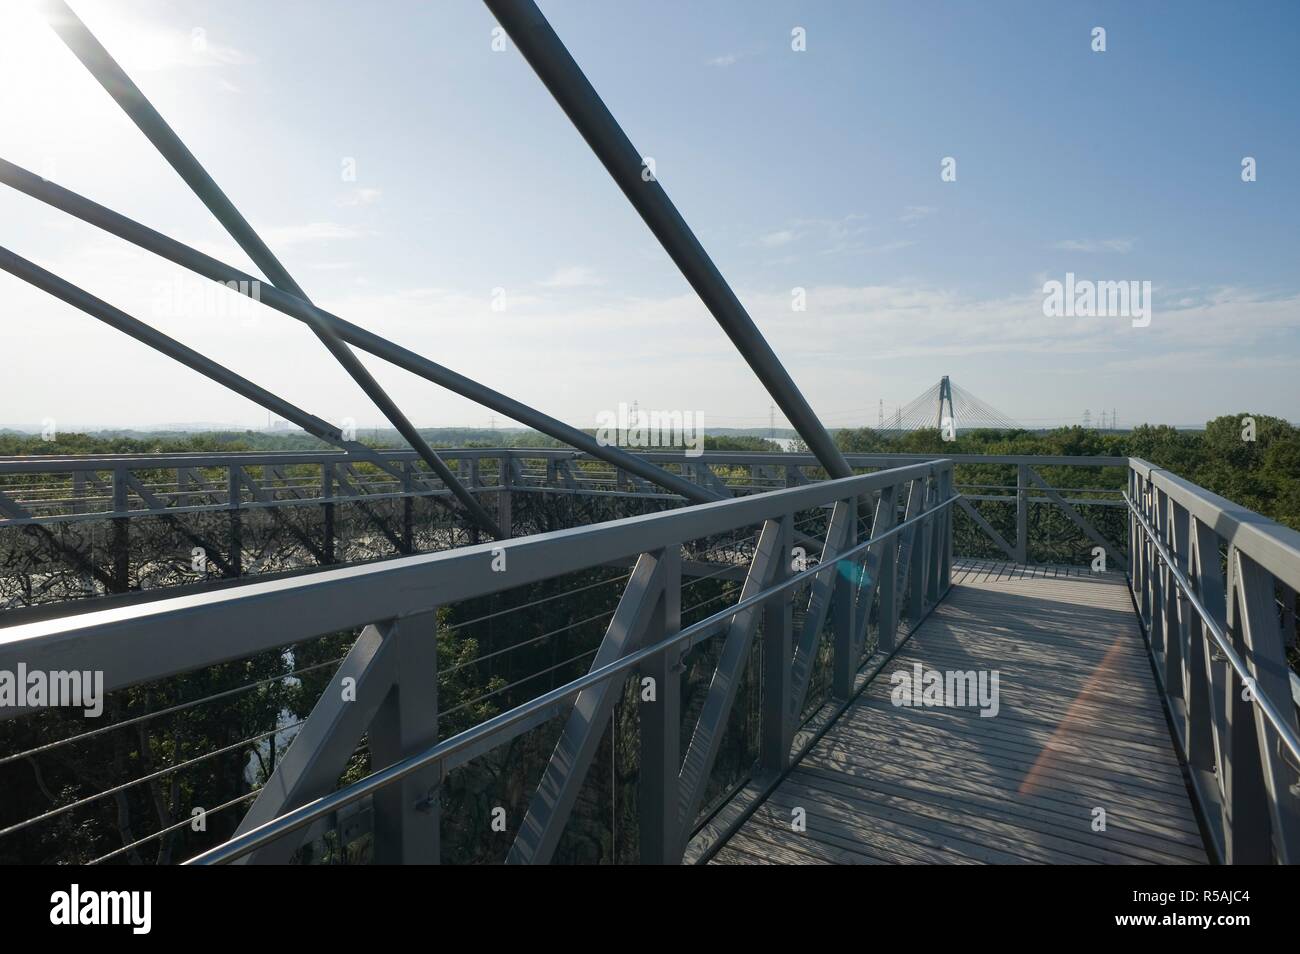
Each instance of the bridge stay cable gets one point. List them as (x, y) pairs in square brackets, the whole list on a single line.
[(241, 282), (560, 73), (136, 105)]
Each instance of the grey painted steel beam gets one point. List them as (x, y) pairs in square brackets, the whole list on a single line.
[(1207, 575), (1022, 514), (839, 537), (1265, 654), (136, 105), (139, 642), (116, 318), (844, 610), (1245, 798), (660, 720), (296, 307), (1275, 547), (887, 576), (873, 567), (767, 460), (907, 547), (492, 732), (320, 751), (552, 803), (919, 561), (556, 68), (65, 291), (776, 728), (211, 552), (987, 527), (706, 739), (1078, 520), (407, 813), (12, 508)]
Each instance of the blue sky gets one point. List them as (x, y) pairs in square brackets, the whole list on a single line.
[(816, 169)]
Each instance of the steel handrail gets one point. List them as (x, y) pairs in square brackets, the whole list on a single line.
[(305, 815), (1274, 717)]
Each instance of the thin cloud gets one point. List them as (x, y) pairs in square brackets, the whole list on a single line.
[(359, 197), (153, 49), (1117, 245), (573, 276), (725, 60), (915, 213), (777, 239), (893, 246), (310, 232)]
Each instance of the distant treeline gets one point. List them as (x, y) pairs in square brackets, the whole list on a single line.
[(1259, 469), (14, 443)]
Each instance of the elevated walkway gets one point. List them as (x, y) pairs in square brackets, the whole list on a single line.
[(1079, 728)]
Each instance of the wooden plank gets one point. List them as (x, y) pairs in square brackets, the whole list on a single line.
[(934, 812), (1050, 793), (1080, 726)]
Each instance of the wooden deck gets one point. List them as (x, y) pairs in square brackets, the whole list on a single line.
[(1079, 727)]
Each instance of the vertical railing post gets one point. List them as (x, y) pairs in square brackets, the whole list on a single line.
[(327, 494), (1159, 578), (945, 534), (935, 546), (407, 813), (844, 609), (505, 518), (660, 711), (1245, 800), (1144, 508), (1022, 513), (887, 624), (408, 507), (233, 494), (1203, 700), (1134, 550), (1177, 609), (1263, 648), (776, 731), (121, 532), (920, 561), (78, 491)]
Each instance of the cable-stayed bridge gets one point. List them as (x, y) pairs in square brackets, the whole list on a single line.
[(596, 655), (947, 402)]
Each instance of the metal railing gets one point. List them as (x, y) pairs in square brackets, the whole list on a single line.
[(96, 526), (892, 528), (1215, 587)]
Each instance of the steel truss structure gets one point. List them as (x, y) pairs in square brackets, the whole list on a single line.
[(90, 526), (565, 80), (891, 566)]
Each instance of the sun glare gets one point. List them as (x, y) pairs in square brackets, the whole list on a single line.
[(51, 104)]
